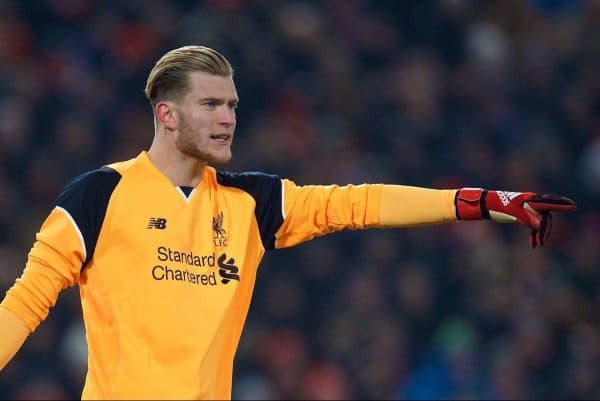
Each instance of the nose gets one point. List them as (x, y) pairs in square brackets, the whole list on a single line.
[(227, 116)]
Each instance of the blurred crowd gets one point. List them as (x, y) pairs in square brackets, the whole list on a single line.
[(499, 94)]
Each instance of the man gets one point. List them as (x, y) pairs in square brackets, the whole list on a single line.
[(165, 248)]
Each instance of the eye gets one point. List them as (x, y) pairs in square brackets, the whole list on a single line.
[(210, 104)]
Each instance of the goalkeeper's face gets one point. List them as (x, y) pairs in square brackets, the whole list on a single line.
[(206, 118)]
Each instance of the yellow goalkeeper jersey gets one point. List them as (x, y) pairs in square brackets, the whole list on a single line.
[(165, 273)]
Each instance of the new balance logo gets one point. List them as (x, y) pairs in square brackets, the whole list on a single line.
[(506, 197), (157, 223)]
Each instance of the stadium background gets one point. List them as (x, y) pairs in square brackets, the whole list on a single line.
[(448, 93)]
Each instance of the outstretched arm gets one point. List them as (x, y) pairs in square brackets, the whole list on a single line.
[(14, 334), (311, 211)]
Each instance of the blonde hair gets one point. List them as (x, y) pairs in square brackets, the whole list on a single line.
[(168, 79)]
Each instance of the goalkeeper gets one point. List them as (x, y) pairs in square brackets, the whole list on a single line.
[(165, 248)]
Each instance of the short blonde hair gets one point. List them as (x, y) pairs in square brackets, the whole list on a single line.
[(168, 79)]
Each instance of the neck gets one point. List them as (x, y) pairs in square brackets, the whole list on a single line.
[(180, 169)]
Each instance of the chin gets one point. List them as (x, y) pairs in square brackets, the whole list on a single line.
[(220, 159), (208, 157)]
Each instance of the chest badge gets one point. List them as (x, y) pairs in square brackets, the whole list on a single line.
[(220, 235)]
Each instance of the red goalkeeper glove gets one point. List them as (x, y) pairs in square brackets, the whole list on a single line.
[(526, 208)]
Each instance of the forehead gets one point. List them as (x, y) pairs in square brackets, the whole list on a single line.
[(203, 84)]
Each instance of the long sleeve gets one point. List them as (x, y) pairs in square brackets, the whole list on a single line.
[(408, 206), (313, 210), (53, 264), (64, 244), (14, 333)]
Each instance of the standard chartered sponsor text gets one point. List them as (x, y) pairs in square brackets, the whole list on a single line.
[(166, 254), (163, 272), (160, 272)]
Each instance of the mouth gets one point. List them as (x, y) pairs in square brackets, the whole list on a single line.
[(224, 139)]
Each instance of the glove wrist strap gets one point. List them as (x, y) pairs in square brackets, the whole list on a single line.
[(470, 204)]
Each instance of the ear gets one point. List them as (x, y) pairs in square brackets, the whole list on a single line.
[(166, 115)]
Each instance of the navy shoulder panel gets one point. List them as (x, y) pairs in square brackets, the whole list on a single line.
[(86, 198), (266, 191)]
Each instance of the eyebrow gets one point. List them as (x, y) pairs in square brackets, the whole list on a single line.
[(220, 100)]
